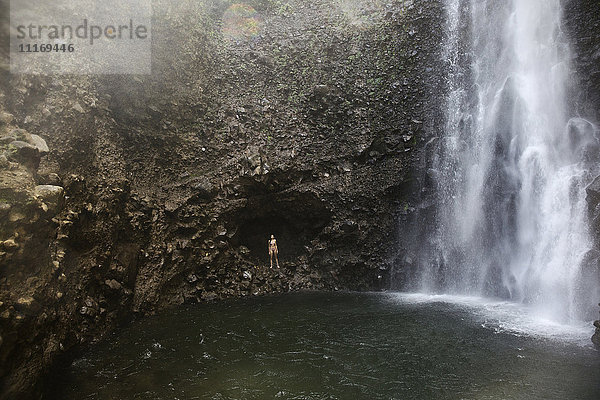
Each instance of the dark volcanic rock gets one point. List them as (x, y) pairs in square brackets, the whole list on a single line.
[(582, 21), (596, 336), (173, 182)]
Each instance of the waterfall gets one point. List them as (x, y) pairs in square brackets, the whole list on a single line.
[(511, 167)]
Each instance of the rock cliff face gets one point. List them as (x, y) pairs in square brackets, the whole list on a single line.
[(582, 22), (161, 190)]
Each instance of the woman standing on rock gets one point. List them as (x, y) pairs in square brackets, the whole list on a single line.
[(273, 250)]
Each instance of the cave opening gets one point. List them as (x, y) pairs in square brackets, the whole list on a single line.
[(294, 221)]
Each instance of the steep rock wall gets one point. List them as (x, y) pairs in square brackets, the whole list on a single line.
[(307, 128)]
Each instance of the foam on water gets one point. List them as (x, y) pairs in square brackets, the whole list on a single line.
[(506, 317)]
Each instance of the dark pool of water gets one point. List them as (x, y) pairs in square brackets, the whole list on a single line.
[(336, 346)]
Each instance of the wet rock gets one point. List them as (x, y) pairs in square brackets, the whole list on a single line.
[(593, 193), (596, 337)]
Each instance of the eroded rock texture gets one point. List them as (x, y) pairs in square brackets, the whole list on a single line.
[(307, 129)]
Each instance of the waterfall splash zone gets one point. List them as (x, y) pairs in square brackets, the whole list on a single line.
[(508, 171)]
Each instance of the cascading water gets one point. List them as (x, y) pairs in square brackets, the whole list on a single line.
[(511, 167)]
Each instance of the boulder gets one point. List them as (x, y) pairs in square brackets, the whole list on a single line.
[(6, 118), (39, 144), (25, 151), (52, 196)]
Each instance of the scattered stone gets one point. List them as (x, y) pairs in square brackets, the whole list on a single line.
[(10, 245), (209, 296), (221, 231), (4, 164), (113, 284), (86, 311), (244, 250), (51, 195), (77, 107), (89, 308), (25, 301)]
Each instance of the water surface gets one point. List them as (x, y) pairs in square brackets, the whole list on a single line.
[(341, 346)]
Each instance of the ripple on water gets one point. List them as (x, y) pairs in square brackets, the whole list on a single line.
[(340, 346)]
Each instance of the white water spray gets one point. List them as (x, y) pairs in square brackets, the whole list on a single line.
[(511, 166)]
